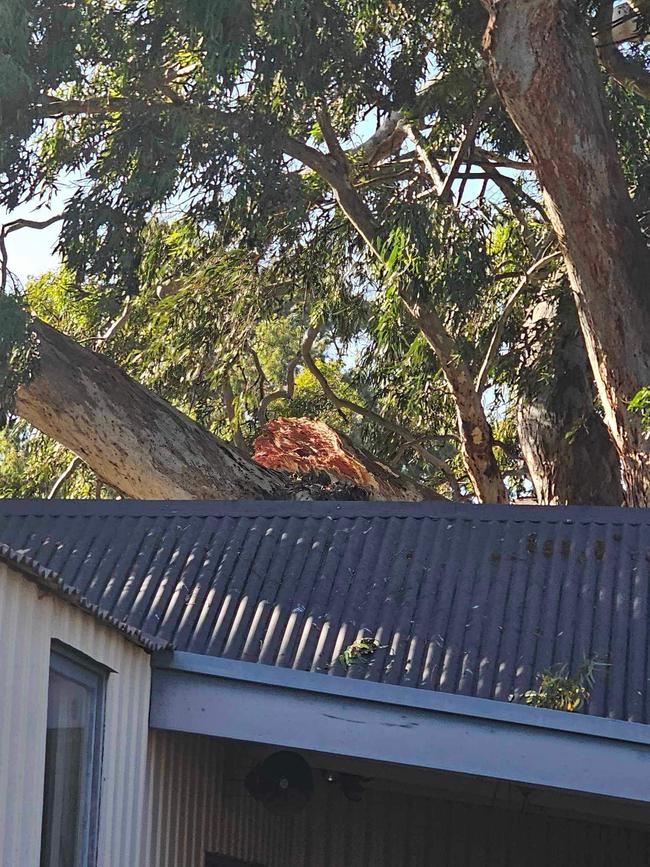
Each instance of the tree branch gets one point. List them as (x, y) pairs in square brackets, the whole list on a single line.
[(465, 146), (280, 393), (495, 342), (624, 70), (427, 158), (229, 405), (330, 137), (15, 226), (65, 475)]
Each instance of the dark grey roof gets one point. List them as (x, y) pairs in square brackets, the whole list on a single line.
[(469, 599), (53, 582)]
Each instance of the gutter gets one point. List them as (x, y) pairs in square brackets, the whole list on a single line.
[(400, 725)]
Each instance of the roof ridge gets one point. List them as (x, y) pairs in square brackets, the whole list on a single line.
[(326, 508)]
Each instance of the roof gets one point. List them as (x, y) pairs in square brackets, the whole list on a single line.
[(466, 599), (53, 582)]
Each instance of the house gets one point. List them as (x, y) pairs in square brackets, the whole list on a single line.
[(319, 684)]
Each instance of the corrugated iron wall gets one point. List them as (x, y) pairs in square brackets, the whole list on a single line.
[(198, 803), (29, 620)]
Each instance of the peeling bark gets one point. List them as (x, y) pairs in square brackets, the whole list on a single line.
[(570, 456), (544, 66)]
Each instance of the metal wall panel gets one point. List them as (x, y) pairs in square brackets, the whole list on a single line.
[(29, 620), (197, 803)]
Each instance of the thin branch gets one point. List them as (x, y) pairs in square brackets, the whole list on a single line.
[(15, 226), (115, 327), (281, 393), (495, 342), (330, 136), (261, 376), (514, 194), (427, 158), (465, 146), (229, 405), (627, 71), (342, 403), (63, 478)]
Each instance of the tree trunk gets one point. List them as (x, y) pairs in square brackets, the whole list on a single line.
[(564, 440), (475, 432), (544, 65), (133, 440)]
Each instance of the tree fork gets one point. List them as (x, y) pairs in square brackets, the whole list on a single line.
[(544, 66)]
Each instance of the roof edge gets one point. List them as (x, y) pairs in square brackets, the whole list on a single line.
[(49, 580), (377, 723), (406, 697)]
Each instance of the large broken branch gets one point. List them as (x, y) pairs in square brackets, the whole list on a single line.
[(302, 445), (143, 447)]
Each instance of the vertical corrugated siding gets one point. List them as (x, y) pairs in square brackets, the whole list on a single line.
[(29, 620), (197, 803)]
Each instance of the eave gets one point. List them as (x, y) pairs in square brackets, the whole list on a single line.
[(400, 725)]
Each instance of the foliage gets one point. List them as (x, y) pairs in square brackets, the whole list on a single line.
[(362, 648), (174, 125), (17, 350), (557, 689), (640, 404)]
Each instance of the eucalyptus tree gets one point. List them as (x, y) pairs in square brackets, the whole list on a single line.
[(366, 170)]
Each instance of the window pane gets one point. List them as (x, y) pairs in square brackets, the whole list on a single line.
[(74, 695)]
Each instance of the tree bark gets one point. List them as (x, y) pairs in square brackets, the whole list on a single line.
[(132, 439), (564, 440), (544, 66)]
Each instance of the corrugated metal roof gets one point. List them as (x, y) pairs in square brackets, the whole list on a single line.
[(468, 599)]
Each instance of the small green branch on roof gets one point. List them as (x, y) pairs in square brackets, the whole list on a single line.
[(559, 690), (362, 648), (640, 404)]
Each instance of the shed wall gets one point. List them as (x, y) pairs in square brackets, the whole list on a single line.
[(197, 803), (29, 620)]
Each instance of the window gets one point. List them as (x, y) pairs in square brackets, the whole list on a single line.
[(75, 705)]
